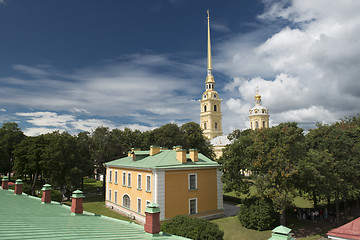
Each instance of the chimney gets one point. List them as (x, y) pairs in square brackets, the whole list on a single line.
[(77, 202), (18, 186), (154, 150), (177, 147), (46, 195), (133, 156), (5, 183), (193, 154), (181, 155), (152, 220), (132, 153)]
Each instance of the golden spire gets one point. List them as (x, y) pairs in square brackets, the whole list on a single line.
[(209, 77), (209, 65)]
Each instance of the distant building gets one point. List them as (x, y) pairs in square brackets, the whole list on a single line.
[(180, 183), (258, 115), (218, 144)]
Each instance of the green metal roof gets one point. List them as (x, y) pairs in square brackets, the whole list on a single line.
[(24, 217), (162, 160)]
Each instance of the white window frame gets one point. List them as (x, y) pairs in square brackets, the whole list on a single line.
[(129, 179), (110, 176), (196, 206), (124, 178), (189, 182), (109, 195), (116, 177), (148, 186), (139, 182), (138, 206), (115, 197), (122, 200)]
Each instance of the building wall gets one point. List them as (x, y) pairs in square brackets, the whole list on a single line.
[(177, 193), (259, 119), (132, 191)]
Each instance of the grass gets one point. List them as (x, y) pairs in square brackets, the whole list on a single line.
[(92, 185), (234, 230)]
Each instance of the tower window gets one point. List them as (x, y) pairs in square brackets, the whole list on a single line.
[(215, 125), (204, 108), (215, 108), (263, 124), (205, 126), (214, 95), (256, 125)]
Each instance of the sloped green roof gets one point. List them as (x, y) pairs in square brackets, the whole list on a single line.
[(162, 160), (25, 217), (281, 229)]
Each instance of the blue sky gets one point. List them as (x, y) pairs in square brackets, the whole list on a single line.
[(75, 65)]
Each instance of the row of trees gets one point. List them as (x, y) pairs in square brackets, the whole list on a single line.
[(284, 162), (63, 160)]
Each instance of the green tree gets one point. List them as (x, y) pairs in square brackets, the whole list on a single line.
[(10, 136), (235, 163), (28, 155), (194, 138)]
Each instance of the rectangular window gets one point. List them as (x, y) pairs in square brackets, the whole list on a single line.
[(109, 195), (129, 179), (139, 205), (110, 176), (148, 183), (115, 178), (115, 197), (193, 206), (139, 182), (124, 179), (192, 181)]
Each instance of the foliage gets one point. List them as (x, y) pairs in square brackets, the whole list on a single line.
[(10, 136), (271, 157), (194, 228), (56, 195), (258, 214)]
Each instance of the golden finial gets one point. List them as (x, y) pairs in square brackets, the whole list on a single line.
[(257, 96)]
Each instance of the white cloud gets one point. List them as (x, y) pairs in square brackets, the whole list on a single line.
[(307, 71), (2, 110), (47, 119), (35, 131)]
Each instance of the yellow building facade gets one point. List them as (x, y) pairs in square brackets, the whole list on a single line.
[(258, 115), (210, 103), (181, 183)]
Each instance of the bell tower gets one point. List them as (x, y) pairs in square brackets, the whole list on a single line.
[(258, 115), (210, 103)]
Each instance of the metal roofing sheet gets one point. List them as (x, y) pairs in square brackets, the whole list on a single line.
[(25, 217)]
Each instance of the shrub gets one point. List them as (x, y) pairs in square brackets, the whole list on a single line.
[(56, 195), (258, 214), (193, 228)]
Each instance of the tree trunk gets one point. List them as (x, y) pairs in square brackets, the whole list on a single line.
[(34, 184), (282, 217), (337, 208), (314, 199)]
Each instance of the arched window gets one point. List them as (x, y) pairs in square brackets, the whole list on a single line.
[(263, 124), (126, 201), (214, 95), (256, 125), (205, 125), (215, 125), (204, 108), (215, 108)]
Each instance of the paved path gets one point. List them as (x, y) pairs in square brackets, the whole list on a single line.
[(230, 209)]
